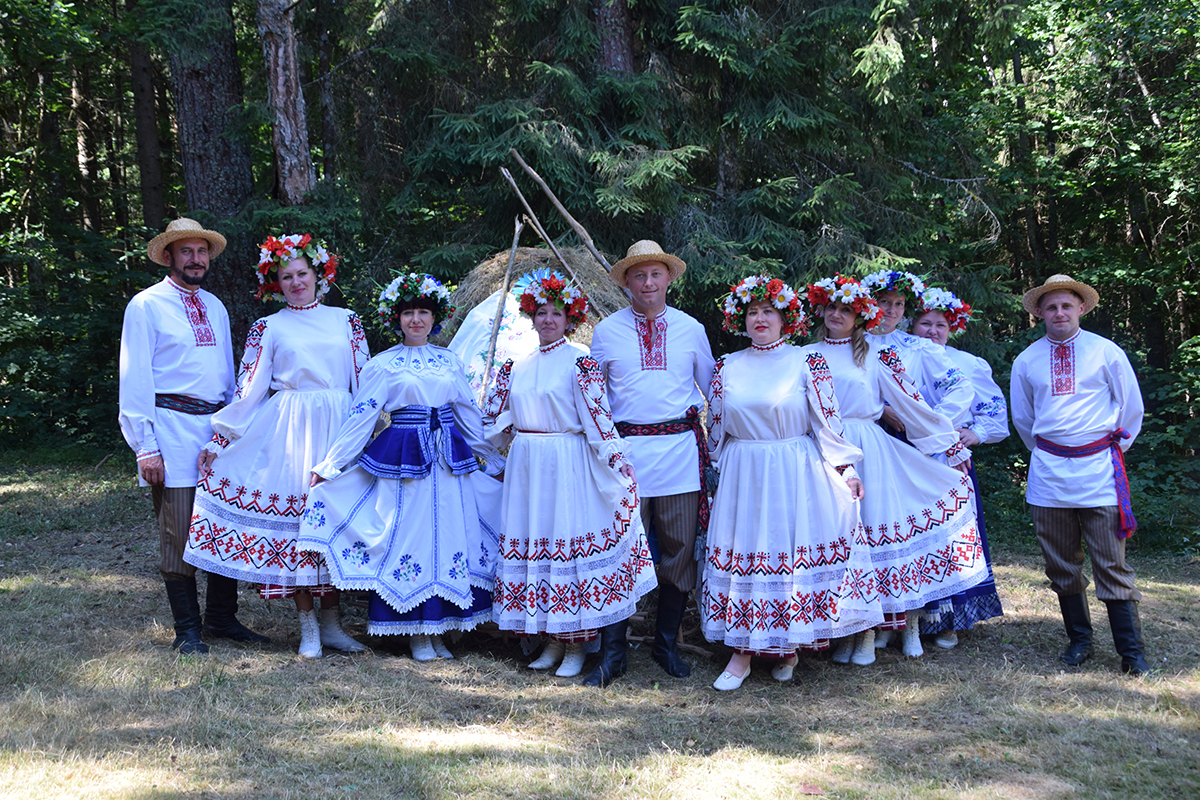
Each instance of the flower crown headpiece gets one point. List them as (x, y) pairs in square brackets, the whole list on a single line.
[(956, 312), (904, 283), (410, 287), (542, 286), (275, 253), (840, 289), (783, 298)]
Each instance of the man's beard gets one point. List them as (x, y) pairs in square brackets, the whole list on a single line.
[(191, 281)]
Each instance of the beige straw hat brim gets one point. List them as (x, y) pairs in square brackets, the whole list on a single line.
[(641, 253), (1058, 283), (183, 228)]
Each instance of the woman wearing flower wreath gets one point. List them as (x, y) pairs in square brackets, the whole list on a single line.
[(918, 513), (785, 565), (398, 515), (574, 556), (940, 315), (299, 369)]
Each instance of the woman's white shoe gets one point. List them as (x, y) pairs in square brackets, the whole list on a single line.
[(332, 634), (864, 649), (728, 681), (572, 663), (421, 647), (310, 634), (550, 656), (947, 640), (784, 669), (440, 648)]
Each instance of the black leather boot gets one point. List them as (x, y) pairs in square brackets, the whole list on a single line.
[(1079, 628), (1127, 635), (220, 615), (671, 602), (185, 608), (614, 655)]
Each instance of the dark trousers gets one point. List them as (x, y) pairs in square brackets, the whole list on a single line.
[(1062, 532), (674, 519), (173, 509)]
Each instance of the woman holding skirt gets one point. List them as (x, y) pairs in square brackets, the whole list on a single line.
[(918, 514), (574, 556), (294, 387), (785, 563), (399, 515)]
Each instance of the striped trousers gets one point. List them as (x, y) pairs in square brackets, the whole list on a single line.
[(1062, 532), (173, 509), (674, 518)]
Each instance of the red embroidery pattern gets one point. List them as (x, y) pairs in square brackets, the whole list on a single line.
[(250, 500), (197, 316), (220, 441), (653, 352), (591, 384), (825, 554), (359, 350), (891, 359), (1062, 368), (251, 356), (497, 399), (233, 546), (716, 405), (822, 384)]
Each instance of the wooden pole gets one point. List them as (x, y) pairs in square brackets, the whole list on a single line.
[(537, 226), (518, 226), (579, 229)]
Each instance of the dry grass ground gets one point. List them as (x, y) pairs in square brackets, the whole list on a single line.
[(94, 704)]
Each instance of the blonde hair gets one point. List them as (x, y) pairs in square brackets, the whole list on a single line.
[(859, 346)]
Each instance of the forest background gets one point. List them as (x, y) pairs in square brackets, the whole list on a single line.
[(983, 145)]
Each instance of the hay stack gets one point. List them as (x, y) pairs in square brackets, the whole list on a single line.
[(604, 296)]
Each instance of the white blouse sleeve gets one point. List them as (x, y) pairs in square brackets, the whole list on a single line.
[(827, 418), (1021, 393), (370, 399), (497, 419), (948, 382), (591, 402), (136, 381), (989, 410), (927, 430), (716, 412), (254, 385), (1126, 393)]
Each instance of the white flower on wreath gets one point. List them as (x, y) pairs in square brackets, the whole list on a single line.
[(731, 304), (785, 297)]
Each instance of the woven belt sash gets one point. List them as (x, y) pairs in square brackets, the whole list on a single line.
[(417, 437), (686, 423), (186, 405), (1111, 443)]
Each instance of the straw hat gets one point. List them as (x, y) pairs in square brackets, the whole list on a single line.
[(1059, 283), (183, 228), (642, 252)]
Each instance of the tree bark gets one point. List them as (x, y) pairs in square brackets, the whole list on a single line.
[(85, 143), (145, 124), (616, 35), (293, 161), (207, 83), (327, 12)]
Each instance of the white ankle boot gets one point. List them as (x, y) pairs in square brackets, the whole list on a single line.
[(864, 649), (332, 634), (883, 639), (310, 634), (440, 648), (421, 647), (947, 640), (844, 649), (572, 663), (912, 635), (550, 656)]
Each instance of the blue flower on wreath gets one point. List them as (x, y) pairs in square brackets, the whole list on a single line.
[(357, 554)]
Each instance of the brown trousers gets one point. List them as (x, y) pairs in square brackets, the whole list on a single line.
[(674, 517), (173, 508), (1062, 532)]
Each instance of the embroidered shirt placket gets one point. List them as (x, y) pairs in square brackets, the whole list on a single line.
[(197, 314)]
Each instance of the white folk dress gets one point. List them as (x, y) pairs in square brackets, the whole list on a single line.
[(298, 372), (786, 564), (574, 556), (402, 518), (919, 514)]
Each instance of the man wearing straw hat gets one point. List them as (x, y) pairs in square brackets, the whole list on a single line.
[(658, 364), (176, 369), (1077, 406)]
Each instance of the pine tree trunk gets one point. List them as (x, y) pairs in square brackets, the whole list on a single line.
[(145, 124), (85, 142), (616, 35), (296, 177), (207, 83), (327, 12)]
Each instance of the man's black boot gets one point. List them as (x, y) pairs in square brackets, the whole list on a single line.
[(1127, 635), (614, 655), (185, 608), (220, 614), (671, 602), (1078, 622)]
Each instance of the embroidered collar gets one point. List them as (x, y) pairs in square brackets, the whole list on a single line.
[(183, 289), (1070, 340), (547, 348), (837, 341), (657, 316), (308, 307), (766, 348)]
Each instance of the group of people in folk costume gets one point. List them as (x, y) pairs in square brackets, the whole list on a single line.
[(844, 503)]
